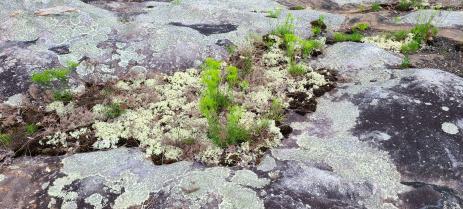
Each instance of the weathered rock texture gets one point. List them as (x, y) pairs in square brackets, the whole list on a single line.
[(115, 38)]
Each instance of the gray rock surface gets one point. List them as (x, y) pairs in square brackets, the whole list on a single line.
[(382, 139), (348, 58), (114, 37), (439, 18)]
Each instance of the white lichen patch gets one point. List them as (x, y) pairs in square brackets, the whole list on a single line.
[(267, 164), (60, 109), (122, 172), (449, 128), (385, 42), (2, 177), (96, 200)]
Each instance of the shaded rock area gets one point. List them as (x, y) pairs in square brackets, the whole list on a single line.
[(113, 37)]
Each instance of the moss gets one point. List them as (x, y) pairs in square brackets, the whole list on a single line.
[(360, 27)]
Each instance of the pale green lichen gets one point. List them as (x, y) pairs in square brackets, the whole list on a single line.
[(60, 109), (213, 181), (96, 200), (57, 139), (384, 42), (249, 178)]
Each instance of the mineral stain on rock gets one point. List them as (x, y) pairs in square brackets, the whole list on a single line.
[(208, 29)]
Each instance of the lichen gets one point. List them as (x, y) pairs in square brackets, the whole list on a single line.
[(60, 109)]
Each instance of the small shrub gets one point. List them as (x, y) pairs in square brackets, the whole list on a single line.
[(5, 139), (113, 110), (31, 128), (376, 7), (296, 69), (44, 78), (360, 27), (274, 13), (342, 37), (405, 62), (309, 46), (318, 25), (231, 49), (286, 28)]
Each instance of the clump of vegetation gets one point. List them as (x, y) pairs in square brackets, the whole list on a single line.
[(274, 13), (31, 128), (277, 111), (405, 62), (214, 101), (360, 27), (309, 46), (113, 110), (296, 69), (376, 7), (5, 139), (57, 80), (421, 34), (286, 28), (298, 7), (342, 37), (318, 26), (407, 5)]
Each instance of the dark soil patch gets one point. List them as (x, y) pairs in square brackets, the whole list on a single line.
[(441, 53)]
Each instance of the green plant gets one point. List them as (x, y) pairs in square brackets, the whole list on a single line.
[(31, 128), (405, 62), (423, 32), (400, 35), (236, 133), (5, 139), (309, 46), (286, 28), (296, 69), (298, 7), (176, 2), (213, 102), (232, 76), (113, 110), (342, 37), (404, 5), (247, 64), (376, 7), (231, 49), (276, 111), (316, 31), (410, 47), (274, 13), (360, 27), (62, 95)]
